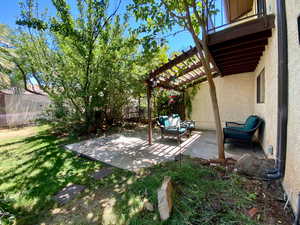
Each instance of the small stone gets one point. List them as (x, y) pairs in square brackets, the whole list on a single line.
[(252, 212), (165, 202), (68, 193), (98, 175), (148, 206)]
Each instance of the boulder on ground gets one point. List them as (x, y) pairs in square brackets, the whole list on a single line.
[(253, 166), (165, 202)]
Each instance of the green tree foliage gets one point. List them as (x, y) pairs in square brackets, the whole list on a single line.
[(5, 65), (90, 64), (192, 15)]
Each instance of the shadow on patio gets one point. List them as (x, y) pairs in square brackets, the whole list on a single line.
[(130, 150)]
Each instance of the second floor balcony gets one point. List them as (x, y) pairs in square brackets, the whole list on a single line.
[(233, 12)]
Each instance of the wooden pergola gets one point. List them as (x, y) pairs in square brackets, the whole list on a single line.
[(179, 73), (234, 50)]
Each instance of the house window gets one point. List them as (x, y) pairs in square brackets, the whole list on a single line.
[(260, 87)]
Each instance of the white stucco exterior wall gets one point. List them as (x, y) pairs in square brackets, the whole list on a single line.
[(268, 109), (292, 177), (235, 96)]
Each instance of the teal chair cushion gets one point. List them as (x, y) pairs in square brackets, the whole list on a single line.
[(251, 122), (163, 120), (174, 130), (236, 135), (175, 116), (238, 128)]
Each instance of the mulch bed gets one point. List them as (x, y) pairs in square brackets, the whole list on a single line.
[(269, 203)]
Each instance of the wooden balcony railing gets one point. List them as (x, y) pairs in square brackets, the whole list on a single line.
[(231, 12)]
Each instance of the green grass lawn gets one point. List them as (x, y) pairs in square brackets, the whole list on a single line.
[(34, 166)]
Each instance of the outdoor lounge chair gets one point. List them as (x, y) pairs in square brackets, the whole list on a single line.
[(189, 124), (243, 132), (172, 126)]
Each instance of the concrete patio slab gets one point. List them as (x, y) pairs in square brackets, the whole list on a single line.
[(205, 147), (130, 150)]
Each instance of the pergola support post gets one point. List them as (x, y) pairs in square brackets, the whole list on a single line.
[(149, 105)]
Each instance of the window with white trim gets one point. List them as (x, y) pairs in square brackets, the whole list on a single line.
[(260, 87)]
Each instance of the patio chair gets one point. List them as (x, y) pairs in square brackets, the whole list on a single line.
[(171, 127), (188, 124), (243, 132)]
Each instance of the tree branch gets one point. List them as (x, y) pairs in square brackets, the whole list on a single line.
[(25, 81)]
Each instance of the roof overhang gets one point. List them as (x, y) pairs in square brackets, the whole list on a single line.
[(236, 49)]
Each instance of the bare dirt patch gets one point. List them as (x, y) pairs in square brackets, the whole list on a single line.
[(269, 202), (17, 132), (86, 209)]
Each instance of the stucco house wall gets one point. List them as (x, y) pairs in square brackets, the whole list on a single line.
[(268, 109), (235, 96), (292, 178)]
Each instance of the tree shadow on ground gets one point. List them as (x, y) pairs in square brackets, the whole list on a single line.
[(37, 168), (201, 196)]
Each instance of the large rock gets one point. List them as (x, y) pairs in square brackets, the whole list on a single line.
[(165, 202), (253, 166)]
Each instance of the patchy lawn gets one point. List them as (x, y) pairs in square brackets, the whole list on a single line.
[(34, 167)]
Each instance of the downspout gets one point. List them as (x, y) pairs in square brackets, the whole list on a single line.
[(279, 171)]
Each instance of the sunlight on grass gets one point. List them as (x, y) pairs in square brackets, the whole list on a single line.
[(35, 167), (201, 197)]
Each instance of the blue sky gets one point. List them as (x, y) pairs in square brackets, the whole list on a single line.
[(10, 11)]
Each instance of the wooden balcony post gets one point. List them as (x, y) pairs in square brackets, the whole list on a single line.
[(149, 93)]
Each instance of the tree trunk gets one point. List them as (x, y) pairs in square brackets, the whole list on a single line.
[(149, 93), (213, 95), (206, 59), (214, 101)]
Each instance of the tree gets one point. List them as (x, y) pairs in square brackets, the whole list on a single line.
[(11, 68), (84, 62), (5, 48), (163, 15), (89, 64)]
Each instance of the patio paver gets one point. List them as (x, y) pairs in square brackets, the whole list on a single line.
[(68, 193), (98, 175)]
